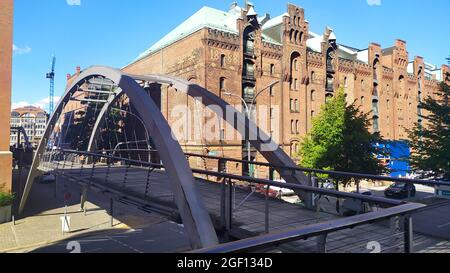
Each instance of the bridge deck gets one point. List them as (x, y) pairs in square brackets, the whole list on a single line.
[(250, 217)]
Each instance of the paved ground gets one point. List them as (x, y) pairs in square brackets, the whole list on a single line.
[(139, 231), (165, 237), (40, 228), (250, 215), (434, 221)]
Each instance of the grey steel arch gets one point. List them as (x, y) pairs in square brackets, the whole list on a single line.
[(193, 212), (271, 151), (101, 119)]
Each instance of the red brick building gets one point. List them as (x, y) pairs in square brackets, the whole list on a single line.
[(6, 43), (241, 52)]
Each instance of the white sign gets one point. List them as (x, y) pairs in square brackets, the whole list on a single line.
[(65, 224)]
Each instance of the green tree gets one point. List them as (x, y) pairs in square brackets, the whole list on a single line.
[(340, 140), (430, 140)]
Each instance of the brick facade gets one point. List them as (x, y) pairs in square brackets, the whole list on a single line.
[(6, 26), (257, 51)]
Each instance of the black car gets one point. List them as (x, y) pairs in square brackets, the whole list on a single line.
[(400, 190)]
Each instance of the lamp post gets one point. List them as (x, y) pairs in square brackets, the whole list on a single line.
[(248, 112)]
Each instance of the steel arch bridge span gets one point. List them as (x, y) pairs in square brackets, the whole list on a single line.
[(258, 138), (190, 205)]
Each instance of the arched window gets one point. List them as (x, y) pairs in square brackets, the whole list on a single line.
[(222, 84), (297, 127), (292, 126), (295, 57), (388, 104), (297, 106), (330, 83), (249, 92), (249, 69), (376, 125), (328, 97), (401, 80), (313, 76), (375, 106), (291, 36), (300, 38), (362, 85), (363, 100), (330, 58), (272, 69), (222, 60), (313, 95), (345, 82)]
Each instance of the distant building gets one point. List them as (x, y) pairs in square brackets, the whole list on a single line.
[(33, 120)]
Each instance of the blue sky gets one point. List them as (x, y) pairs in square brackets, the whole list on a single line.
[(114, 32)]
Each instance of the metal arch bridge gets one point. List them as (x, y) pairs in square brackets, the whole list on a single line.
[(192, 209), (182, 181)]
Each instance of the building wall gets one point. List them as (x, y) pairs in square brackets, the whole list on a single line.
[(381, 86), (6, 26), (33, 120)]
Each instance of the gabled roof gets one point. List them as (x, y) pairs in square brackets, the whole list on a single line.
[(205, 17)]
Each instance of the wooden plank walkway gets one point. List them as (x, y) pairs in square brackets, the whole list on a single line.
[(251, 215)]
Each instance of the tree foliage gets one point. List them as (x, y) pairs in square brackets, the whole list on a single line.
[(430, 140), (340, 140)]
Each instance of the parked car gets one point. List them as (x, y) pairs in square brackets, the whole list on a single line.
[(400, 190)]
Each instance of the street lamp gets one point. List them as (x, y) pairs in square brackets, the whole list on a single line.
[(248, 111)]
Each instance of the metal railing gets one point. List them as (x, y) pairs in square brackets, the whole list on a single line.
[(322, 229), (63, 163)]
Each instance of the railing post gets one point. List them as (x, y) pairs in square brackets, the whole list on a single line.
[(271, 174), (395, 230), (84, 191), (223, 204), (322, 243), (230, 205), (409, 236), (266, 220)]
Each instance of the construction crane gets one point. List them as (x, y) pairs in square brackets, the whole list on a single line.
[(51, 76)]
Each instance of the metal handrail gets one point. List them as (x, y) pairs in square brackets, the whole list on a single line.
[(326, 192), (316, 171), (275, 239)]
